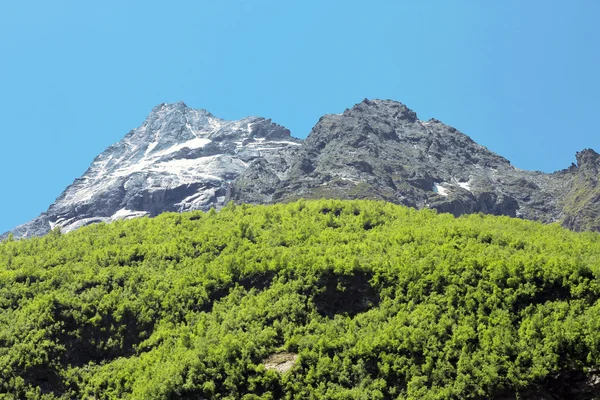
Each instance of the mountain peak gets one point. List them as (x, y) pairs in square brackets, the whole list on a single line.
[(382, 108), (169, 106), (180, 106), (588, 161), (179, 159), (176, 122), (587, 156), (183, 158)]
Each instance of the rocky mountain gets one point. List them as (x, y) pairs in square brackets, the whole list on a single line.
[(179, 159), (183, 159), (380, 149)]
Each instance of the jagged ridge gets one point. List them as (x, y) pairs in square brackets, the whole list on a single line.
[(380, 149), (183, 159), (179, 159)]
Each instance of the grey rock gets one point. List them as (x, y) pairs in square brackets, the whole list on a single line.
[(581, 203), (379, 149), (179, 159), (183, 159)]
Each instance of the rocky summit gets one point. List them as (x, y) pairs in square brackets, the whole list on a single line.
[(184, 159), (179, 159), (380, 149)]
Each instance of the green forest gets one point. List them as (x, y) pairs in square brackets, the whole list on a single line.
[(378, 301)]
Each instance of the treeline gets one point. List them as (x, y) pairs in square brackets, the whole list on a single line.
[(379, 302)]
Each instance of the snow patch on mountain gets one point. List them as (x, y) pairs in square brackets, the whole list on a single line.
[(439, 189), (123, 213), (464, 185)]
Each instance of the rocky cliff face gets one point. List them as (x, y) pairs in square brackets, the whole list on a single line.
[(183, 159), (581, 203), (179, 159), (380, 149)]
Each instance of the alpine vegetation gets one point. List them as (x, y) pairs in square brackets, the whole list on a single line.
[(325, 299)]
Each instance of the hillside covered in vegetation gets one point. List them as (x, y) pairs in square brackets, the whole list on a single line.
[(377, 301)]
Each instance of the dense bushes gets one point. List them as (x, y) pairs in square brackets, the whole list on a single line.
[(379, 301)]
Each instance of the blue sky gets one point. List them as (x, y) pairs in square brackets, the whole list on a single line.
[(520, 77)]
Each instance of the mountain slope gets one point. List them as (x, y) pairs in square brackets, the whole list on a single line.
[(380, 149), (582, 202), (179, 159), (184, 159), (368, 300)]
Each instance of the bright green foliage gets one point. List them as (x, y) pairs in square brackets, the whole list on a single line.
[(379, 301)]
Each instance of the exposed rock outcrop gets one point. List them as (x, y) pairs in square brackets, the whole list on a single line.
[(179, 159), (380, 149), (184, 159)]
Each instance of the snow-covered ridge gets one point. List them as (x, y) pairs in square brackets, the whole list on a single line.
[(179, 159)]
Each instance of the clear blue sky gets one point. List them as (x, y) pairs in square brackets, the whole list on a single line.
[(520, 77)]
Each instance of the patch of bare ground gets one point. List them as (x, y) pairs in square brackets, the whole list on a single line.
[(280, 362)]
